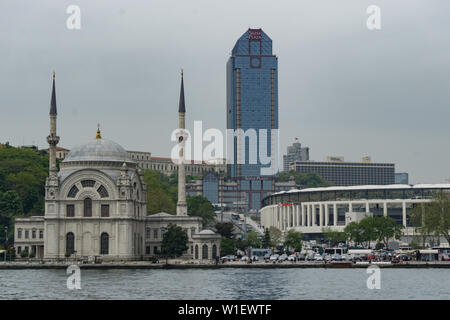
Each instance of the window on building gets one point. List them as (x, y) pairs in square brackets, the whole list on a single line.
[(27, 234), (70, 243), (72, 192), (19, 250), (155, 233), (41, 234), (70, 210), (205, 251), (196, 251), (147, 250), (19, 233), (105, 210), (102, 192), (104, 243), (88, 183), (33, 234), (214, 251), (88, 207), (147, 233)]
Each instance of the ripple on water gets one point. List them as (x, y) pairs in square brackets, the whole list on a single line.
[(229, 284)]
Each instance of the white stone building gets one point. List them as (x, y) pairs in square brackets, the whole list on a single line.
[(95, 205)]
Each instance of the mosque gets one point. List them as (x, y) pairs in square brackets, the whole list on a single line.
[(96, 205)]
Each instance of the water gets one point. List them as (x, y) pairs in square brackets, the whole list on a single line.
[(233, 284)]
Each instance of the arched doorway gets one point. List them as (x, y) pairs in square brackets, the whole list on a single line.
[(104, 243)]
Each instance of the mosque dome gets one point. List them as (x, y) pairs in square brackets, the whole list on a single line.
[(206, 231), (98, 150)]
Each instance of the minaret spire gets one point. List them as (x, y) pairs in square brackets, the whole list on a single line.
[(53, 139), (182, 136)]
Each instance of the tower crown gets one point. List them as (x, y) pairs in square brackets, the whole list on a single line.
[(181, 105), (53, 111)]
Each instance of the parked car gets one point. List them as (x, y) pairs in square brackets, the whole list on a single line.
[(346, 257), (229, 257), (274, 257), (267, 256), (292, 257), (310, 257), (336, 257), (318, 257), (301, 256), (244, 258), (283, 257)]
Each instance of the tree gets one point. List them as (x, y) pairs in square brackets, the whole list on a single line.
[(227, 246), (266, 239), (334, 237), (174, 242), (275, 236), (199, 206), (293, 240), (310, 180), (367, 226), (252, 240), (161, 196), (225, 229), (386, 228), (433, 218), (353, 232)]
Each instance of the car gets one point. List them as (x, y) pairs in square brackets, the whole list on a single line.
[(267, 256), (244, 258), (318, 257), (310, 257), (292, 257), (301, 256), (229, 257), (274, 257), (336, 257), (283, 257), (346, 257), (445, 257)]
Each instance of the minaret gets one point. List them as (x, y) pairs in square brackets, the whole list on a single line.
[(182, 136), (53, 139)]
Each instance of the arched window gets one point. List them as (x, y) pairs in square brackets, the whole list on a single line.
[(205, 251), (72, 192), (102, 192), (88, 183), (88, 207), (214, 251), (70, 243), (196, 251), (104, 243)]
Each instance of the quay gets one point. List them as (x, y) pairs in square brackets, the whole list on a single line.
[(184, 265)]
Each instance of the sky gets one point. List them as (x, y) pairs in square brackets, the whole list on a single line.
[(344, 90)]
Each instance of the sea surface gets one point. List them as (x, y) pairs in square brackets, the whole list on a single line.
[(230, 284)]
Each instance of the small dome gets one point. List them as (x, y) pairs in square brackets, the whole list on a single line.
[(206, 231), (98, 150)]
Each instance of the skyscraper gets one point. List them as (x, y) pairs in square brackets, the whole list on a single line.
[(295, 152), (252, 114)]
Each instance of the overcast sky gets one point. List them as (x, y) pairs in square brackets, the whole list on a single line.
[(343, 90)]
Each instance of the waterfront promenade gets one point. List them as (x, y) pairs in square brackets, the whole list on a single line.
[(179, 264)]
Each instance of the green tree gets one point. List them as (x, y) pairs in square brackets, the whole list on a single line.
[(225, 229), (275, 236), (310, 180), (353, 232), (227, 246), (368, 231), (266, 239), (174, 242), (433, 218), (199, 206), (334, 237), (161, 196), (293, 240), (386, 228), (252, 240)]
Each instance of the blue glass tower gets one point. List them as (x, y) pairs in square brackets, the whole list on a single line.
[(252, 103)]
